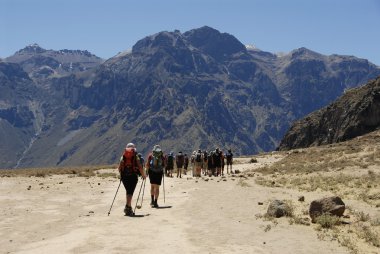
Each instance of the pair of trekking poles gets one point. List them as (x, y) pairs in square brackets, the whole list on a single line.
[(142, 198)]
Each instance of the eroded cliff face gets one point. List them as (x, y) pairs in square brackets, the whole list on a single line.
[(355, 113)]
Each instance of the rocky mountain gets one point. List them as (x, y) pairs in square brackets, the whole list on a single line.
[(198, 89), (355, 113), (42, 64)]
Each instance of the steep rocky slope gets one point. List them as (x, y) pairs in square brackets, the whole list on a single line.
[(356, 113)]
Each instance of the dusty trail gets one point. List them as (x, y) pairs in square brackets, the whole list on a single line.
[(64, 214)]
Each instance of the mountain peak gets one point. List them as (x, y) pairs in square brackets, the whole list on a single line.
[(304, 53), (31, 48), (218, 45), (163, 39)]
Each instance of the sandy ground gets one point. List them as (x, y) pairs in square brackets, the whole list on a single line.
[(68, 214)]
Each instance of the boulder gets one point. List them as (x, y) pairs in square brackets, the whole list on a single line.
[(329, 205), (278, 208)]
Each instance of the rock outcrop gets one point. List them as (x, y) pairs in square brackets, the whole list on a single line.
[(356, 113)]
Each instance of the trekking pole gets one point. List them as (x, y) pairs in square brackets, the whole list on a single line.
[(142, 197), (114, 198), (138, 197), (163, 185)]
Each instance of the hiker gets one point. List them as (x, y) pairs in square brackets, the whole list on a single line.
[(179, 160), (192, 160), (129, 168), (217, 161), (229, 157), (210, 164), (222, 161), (204, 164), (170, 164), (198, 163), (155, 165), (186, 164)]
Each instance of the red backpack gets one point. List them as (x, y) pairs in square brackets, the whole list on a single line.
[(129, 158)]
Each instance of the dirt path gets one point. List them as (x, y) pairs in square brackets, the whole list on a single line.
[(64, 214)]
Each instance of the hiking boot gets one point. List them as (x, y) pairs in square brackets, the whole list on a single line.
[(152, 203), (128, 211), (155, 205)]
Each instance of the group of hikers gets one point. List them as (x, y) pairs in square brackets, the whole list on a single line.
[(132, 164)]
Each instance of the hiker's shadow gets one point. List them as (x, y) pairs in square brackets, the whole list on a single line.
[(164, 207), (139, 215)]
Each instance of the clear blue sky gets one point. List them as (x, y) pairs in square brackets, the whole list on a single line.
[(348, 27)]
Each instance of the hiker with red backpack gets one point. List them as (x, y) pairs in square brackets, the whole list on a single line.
[(155, 165), (129, 168), (179, 160)]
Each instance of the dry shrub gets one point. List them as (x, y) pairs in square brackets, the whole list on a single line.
[(253, 160), (348, 243), (297, 219), (369, 235), (243, 183), (328, 221), (105, 175)]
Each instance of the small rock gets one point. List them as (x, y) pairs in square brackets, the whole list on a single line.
[(91, 212), (237, 171), (60, 182), (260, 203), (225, 180), (29, 187), (346, 216), (98, 183), (301, 198)]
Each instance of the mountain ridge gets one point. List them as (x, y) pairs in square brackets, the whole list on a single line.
[(198, 89)]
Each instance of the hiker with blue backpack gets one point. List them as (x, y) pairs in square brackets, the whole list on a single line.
[(155, 165), (129, 169)]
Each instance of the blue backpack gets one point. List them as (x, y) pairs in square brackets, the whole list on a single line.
[(156, 162)]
